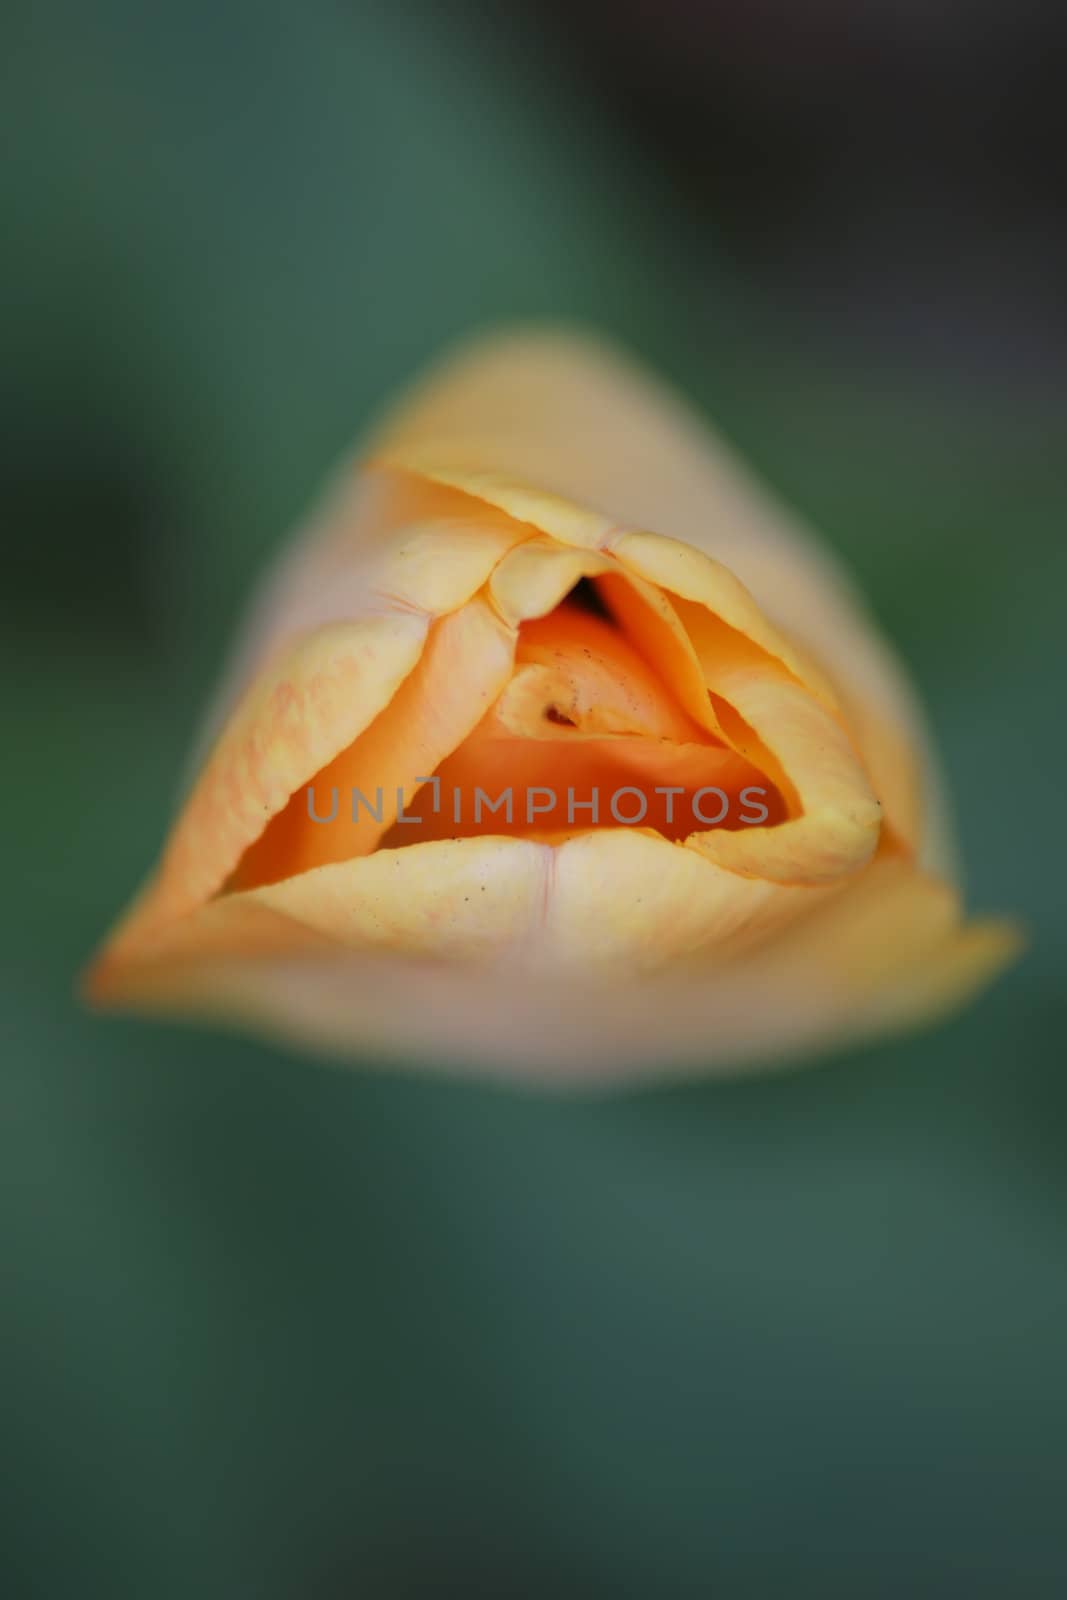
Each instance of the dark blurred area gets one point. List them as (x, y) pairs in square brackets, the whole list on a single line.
[(272, 1329), (889, 173)]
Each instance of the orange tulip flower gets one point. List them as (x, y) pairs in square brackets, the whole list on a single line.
[(557, 750)]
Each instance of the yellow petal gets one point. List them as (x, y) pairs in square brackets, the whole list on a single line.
[(802, 746), (465, 665), (299, 711), (604, 901), (884, 953), (326, 650), (378, 542)]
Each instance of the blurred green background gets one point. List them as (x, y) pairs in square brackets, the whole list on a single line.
[(273, 1329)]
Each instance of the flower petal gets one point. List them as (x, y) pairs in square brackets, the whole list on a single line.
[(886, 952), (803, 747), (590, 905), (344, 625), (465, 665)]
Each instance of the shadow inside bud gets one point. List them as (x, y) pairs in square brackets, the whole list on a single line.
[(586, 596)]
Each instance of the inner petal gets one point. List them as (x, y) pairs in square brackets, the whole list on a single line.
[(585, 735), (580, 666)]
